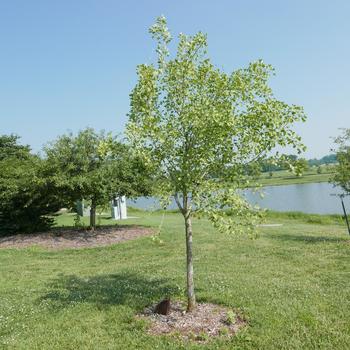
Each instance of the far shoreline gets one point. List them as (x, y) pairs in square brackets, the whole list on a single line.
[(282, 178)]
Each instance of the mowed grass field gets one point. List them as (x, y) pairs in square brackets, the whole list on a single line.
[(292, 284)]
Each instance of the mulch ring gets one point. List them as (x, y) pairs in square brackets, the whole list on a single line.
[(61, 238), (201, 325)]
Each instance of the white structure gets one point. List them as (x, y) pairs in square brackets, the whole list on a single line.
[(118, 208), (82, 210)]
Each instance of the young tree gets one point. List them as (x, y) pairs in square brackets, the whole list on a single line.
[(200, 127), (94, 167), (342, 169)]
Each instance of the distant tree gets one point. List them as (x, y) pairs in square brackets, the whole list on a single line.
[(26, 197), (270, 164), (254, 170), (95, 167), (319, 169), (199, 128), (284, 162), (342, 169), (329, 159)]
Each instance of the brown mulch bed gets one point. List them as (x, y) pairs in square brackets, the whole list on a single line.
[(205, 322), (61, 238)]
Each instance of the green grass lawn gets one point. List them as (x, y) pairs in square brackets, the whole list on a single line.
[(292, 283), (284, 177)]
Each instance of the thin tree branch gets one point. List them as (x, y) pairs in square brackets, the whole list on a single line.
[(176, 197)]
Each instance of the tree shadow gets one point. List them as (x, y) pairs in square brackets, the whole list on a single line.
[(308, 239), (105, 290)]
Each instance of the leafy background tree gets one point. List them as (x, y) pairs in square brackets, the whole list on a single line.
[(342, 169), (95, 167), (254, 170), (199, 128), (11, 149), (26, 196)]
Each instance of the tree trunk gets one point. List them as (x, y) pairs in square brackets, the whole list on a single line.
[(93, 215), (191, 298)]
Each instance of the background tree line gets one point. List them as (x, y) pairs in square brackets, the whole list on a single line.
[(267, 166), (92, 166), (96, 167), (289, 162)]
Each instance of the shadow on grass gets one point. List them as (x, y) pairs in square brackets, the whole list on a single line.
[(113, 289), (308, 239)]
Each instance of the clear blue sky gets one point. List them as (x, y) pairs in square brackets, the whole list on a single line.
[(68, 64)]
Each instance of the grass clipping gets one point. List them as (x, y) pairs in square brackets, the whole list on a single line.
[(201, 325)]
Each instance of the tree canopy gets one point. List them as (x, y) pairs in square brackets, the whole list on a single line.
[(95, 167), (10, 148)]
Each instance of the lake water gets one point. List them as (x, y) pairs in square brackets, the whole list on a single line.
[(313, 198), (308, 198)]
